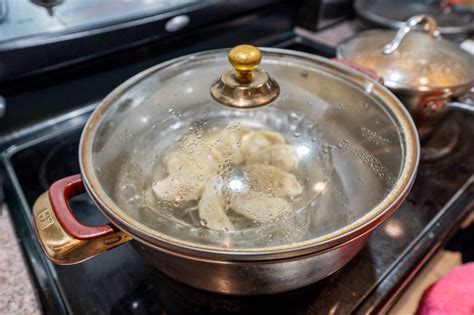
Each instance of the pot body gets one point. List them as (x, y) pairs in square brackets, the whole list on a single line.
[(250, 277), (66, 241)]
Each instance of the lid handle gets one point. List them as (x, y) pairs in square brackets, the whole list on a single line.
[(430, 26), (247, 86), (245, 59)]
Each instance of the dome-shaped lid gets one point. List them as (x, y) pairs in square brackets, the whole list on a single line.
[(410, 59), (295, 152)]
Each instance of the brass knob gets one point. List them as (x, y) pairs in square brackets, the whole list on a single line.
[(246, 86), (244, 59)]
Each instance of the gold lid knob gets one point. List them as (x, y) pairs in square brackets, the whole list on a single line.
[(244, 59), (246, 86)]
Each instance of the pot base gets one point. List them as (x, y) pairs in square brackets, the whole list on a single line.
[(252, 278)]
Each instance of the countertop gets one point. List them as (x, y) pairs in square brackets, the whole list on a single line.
[(17, 294)]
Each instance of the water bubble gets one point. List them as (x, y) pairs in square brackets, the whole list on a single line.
[(314, 139), (203, 222), (296, 134)]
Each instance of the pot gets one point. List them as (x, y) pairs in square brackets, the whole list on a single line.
[(429, 74), (264, 180)]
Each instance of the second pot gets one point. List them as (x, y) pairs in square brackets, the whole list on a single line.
[(429, 74)]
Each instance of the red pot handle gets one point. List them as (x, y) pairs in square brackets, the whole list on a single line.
[(63, 238), (368, 72), (60, 193)]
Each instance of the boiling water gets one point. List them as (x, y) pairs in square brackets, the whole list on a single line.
[(146, 165)]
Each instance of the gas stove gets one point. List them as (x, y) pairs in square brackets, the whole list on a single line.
[(120, 282)]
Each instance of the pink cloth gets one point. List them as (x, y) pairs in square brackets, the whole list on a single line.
[(453, 294)]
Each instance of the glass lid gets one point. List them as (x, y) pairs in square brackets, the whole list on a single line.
[(296, 150), (411, 59)]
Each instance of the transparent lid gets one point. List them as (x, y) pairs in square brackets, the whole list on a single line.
[(321, 151), (410, 59)]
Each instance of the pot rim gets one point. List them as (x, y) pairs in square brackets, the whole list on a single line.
[(363, 225)]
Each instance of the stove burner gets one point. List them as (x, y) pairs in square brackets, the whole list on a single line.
[(54, 166), (47, 3), (442, 142)]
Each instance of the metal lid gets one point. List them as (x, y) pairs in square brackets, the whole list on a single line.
[(410, 59), (329, 157)]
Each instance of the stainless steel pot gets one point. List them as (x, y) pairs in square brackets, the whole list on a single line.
[(356, 149), (430, 75)]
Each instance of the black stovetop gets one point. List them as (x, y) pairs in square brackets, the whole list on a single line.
[(120, 282)]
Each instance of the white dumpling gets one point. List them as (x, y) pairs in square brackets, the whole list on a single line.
[(228, 142), (180, 187), (254, 141), (259, 206), (272, 180), (190, 168), (282, 156), (194, 153), (212, 206), (204, 162)]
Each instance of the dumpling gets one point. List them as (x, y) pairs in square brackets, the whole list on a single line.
[(204, 162), (189, 169), (192, 153), (259, 206), (179, 188), (212, 206), (197, 171), (254, 141), (271, 180), (282, 156), (228, 142)]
